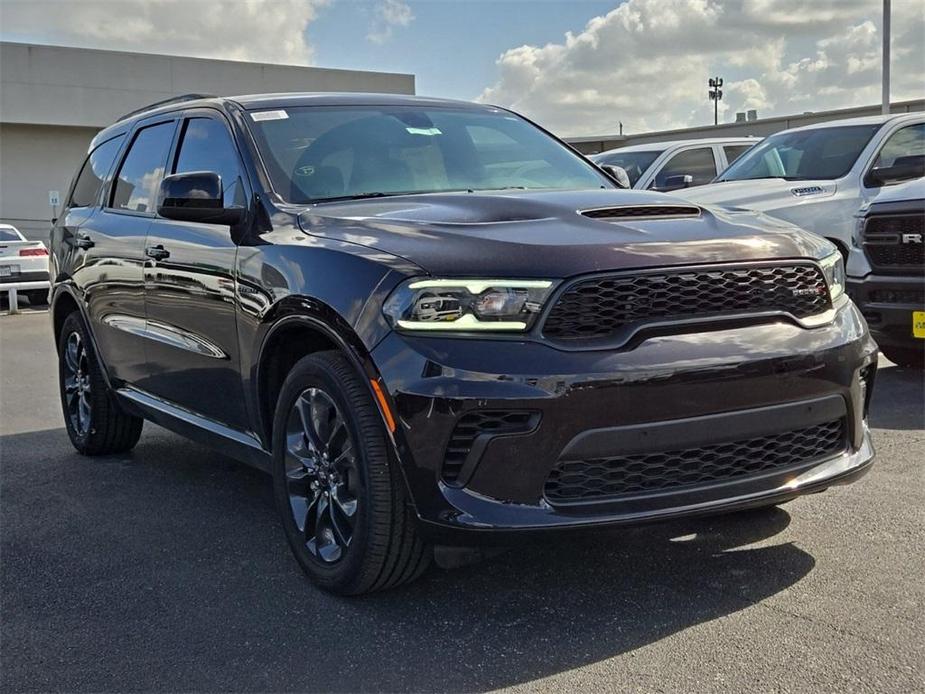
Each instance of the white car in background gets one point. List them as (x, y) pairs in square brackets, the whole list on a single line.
[(22, 260), (819, 176), (674, 165)]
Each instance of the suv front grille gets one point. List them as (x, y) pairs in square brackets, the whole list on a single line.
[(612, 478), (601, 307), (884, 242)]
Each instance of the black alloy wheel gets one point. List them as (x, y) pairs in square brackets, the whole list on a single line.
[(322, 476), (76, 383), (96, 424)]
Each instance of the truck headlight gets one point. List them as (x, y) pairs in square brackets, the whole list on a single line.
[(833, 267), (471, 305)]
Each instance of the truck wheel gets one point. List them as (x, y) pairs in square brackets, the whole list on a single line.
[(341, 499), (95, 422), (906, 357)]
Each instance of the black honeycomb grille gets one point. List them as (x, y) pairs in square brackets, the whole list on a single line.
[(474, 424), (603, 478), (601, 307), (883, 242), (642, 211)]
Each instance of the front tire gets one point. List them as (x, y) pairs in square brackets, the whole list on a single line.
[(340, 497), (95, 422)]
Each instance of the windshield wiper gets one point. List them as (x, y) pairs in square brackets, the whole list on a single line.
[(355, 196)]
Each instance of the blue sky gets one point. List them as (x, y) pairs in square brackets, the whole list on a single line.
[(451, 47)]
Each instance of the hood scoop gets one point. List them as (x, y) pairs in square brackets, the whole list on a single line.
[(642, 212)]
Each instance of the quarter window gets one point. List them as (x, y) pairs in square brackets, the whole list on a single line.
[(94, 170), (698, 163), (206, 145), (143, 168)]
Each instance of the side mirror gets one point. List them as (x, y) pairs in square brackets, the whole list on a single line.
[(903, 169), (196, 197), (677, 182), (618, 174)]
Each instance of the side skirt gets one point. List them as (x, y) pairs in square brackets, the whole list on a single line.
[(237, 444)]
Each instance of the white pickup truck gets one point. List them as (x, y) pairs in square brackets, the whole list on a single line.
[(819, 176)]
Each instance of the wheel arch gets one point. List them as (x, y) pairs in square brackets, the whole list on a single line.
[(299, 327), (63, 303)]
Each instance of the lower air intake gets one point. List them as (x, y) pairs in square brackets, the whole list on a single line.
[(613, 478)]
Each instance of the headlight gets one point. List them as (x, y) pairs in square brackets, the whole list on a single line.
[(467, 305), (833, 267)]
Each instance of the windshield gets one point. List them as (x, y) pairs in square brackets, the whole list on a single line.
[(9, 234), (824, 153), (634, 163), (318, 153)]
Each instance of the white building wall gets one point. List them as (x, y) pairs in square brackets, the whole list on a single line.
[(36, 159)]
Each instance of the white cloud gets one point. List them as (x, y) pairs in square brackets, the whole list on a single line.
[(269, 31), (386, 16), (646, 63)]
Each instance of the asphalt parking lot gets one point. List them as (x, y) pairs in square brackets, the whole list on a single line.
[(165, 570)]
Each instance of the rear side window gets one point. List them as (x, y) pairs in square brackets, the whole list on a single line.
[(143, 168), (94, 170), (698, 163), (207, 146), (733, 152)]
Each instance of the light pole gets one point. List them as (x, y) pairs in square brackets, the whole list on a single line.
[(716, 94), (886, 57)]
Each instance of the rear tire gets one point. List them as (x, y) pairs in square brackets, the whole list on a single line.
[(95, 422), (340, 496), (906, 357)]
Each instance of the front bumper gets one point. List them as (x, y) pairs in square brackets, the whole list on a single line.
[(887, 303), (664, 393)]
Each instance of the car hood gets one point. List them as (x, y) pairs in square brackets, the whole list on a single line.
[(762, 194), (544, 234)]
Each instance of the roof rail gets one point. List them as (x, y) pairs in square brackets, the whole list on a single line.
[(165, 102)]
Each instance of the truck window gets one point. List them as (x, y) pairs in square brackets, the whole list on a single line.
[(698, 163), (733, 152), (905, 142)]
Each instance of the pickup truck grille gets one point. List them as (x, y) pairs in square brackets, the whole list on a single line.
[(603, 479), (894, 243), (601, 308)]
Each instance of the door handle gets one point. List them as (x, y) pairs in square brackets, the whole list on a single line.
[(83, 241), (157, 252)]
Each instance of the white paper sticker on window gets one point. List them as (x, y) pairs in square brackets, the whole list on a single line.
[(269, 115), (424, 131)]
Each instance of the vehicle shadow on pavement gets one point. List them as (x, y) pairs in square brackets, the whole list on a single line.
[(894, 389), (165, 569)]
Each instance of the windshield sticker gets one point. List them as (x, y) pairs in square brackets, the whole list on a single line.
[(424, 131), (269, 115)]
